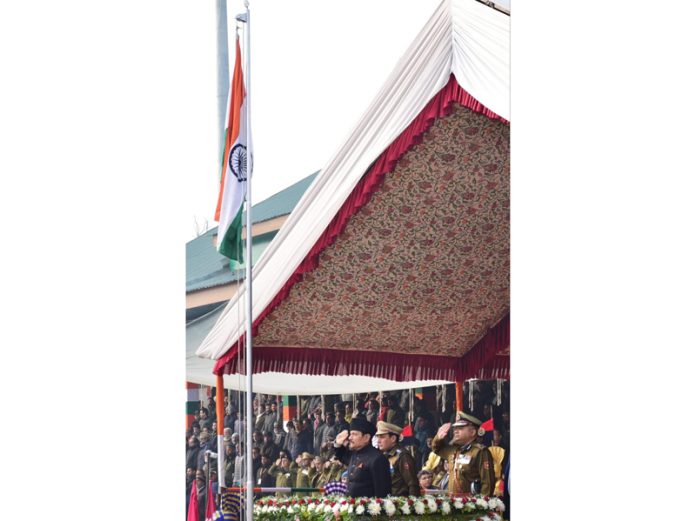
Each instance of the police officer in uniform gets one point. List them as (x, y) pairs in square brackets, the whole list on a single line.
[(470, 463), (368, 469), (305, 472), (285, 473), (401, 464)]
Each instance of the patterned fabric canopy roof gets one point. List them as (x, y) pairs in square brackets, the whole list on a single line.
[(423, 267)]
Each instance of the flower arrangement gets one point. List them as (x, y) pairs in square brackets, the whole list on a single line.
[(341, 508)]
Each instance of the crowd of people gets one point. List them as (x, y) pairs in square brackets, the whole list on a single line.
[(334, 440)]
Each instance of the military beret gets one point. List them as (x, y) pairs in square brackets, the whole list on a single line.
[(462, 420), (388, 428), (362, 425)]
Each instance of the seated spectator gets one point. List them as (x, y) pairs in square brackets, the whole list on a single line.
[(425, 479)]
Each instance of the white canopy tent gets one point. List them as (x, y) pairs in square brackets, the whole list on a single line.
[(464, 38)]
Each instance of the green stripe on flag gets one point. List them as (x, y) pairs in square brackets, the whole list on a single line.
[(231, 244), (192, 407)]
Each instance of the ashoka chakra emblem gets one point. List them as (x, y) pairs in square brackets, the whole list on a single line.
[(238, 162)]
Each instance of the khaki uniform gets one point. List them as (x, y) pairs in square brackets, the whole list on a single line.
[(304, 479), (403, 473), (284, 478), (336, 470), (468, 464)]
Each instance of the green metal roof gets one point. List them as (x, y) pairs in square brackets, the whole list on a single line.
[(206, 268), (281, 203)]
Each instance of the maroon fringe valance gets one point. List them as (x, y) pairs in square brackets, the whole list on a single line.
[(437, 107), (481, 361)]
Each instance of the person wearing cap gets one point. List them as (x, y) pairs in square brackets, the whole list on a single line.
[(305, 472), (321, 474), (285, 473), (368, 469), (470, 463), (401, 464)]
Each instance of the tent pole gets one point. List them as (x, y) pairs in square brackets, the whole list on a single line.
[(220, 406), (459, 394)]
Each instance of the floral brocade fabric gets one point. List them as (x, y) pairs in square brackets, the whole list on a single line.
[(432, 246)]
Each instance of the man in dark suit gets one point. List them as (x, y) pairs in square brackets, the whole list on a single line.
[(368, 469)]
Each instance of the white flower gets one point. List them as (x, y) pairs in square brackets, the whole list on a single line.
[(360, 510), (311, 507), (373, 508), (344, 508), (446, 509), (405, 509), (458, 503), (469, 506), (389, 507), (419, 508), (480, 502), (350, 509), (432, 506)]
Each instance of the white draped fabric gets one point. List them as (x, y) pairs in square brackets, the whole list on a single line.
[(463, 37)]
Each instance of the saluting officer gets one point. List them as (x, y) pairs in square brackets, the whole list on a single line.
[(470, 463), (401, 464), (368, 469)]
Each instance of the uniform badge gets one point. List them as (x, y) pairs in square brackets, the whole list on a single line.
[(464, 459), (481, 431)]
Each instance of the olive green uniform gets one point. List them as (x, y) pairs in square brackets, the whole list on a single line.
[(284, 478), (304, 479), (403, 473), (337, 469), (319, 480), (467, 464)]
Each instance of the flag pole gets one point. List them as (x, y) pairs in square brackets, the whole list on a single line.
[(249, 498)]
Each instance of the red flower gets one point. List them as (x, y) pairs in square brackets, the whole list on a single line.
[(378, 501)]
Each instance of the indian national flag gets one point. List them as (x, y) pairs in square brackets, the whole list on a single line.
[(233, 177)]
